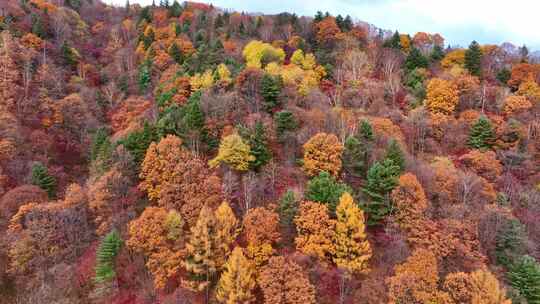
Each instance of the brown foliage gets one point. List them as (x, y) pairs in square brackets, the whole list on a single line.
[(261, 225), (16, 197), (484, 164), (521, 72), (284, 282), (177, 179), (409, 200), (41, 235), (327, 30)]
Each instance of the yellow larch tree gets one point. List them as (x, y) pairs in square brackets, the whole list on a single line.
[(237, 281), (351, 250), (227, 230), (202, 252)]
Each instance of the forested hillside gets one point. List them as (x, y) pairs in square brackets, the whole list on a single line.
[(181, 153)]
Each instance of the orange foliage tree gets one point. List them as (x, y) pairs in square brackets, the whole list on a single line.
[(416, 280), (177, 179), (315, 230), (442, 96), (484, 164), (521, 72), (284, 282), (515, 104), (479, 287), (261, 229), (156, 235), (409, 200), (327, 31), (322, 152)]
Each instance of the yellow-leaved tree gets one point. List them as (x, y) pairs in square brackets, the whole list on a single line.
[(351, 250), (234, 152), (202, 252), (442, 96), (257, 53), (227, 230), (322, 152), (237, 281)]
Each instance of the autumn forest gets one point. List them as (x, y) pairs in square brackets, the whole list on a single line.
[(182, 153)]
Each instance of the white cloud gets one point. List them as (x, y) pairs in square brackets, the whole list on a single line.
[(459, 21)]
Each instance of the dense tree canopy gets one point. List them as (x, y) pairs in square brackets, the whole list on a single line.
[(180, 152)]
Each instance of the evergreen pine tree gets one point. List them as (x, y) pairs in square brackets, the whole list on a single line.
[(365, 131), (284, 121), (68, 56), (258, 144), (524, 53), (358, 150), (347, 24), (394, 42), (524, 276), (99, 140), (481, 135), (339, 22), (145, 76), (42, 179), (510, 242), (437, 54), (37, 25), (325, 189), (176, 53), (473, 59), (138, 142), (218, 23), (353, 156), (270, 90), (416, 59), (288, 207), (145, 14), (395, 154), (503, 76), (105, 255), (318, 17), (127, 7), (382, 178)]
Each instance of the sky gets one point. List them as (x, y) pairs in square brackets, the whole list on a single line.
[(458, 21)]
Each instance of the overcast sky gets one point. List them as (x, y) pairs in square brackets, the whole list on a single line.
[(459, 21)]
